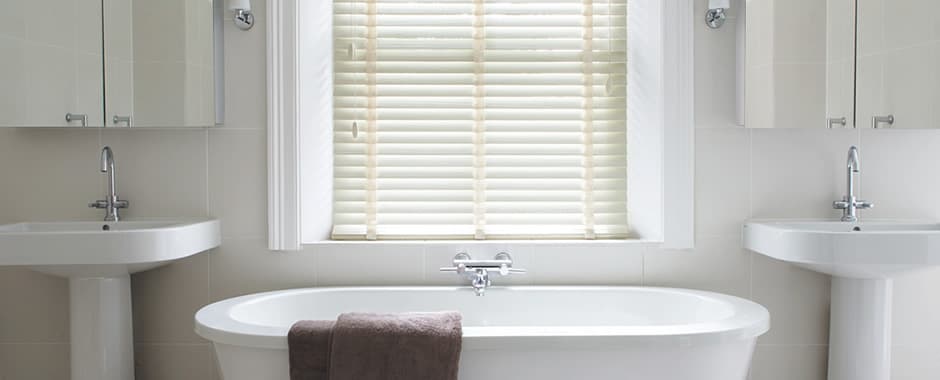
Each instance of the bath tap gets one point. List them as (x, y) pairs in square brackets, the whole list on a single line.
[(478, 271), (111, 203), (849, 204)]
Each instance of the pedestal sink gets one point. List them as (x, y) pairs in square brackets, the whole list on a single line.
[(863, 258), (98, 258)]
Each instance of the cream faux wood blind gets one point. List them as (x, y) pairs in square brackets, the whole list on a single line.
[(480, 119)]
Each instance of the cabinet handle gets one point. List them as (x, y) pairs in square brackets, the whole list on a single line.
[(836, 120), (122, 119), (878, 120), (70, 117)]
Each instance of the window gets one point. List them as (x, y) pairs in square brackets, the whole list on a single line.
[(479, 119)]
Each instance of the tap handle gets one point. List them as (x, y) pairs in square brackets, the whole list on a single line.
[(121, 204), (864, 204), (840, 205), (98, 204), (505, 270)]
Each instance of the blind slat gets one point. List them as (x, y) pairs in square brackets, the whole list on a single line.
[(480, 119)]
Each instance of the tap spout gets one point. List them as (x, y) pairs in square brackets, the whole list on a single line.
[(852, 162), (107, 167)]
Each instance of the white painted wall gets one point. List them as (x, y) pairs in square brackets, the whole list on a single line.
[(221, 172)]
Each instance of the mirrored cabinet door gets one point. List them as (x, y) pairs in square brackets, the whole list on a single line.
[(899, 64), (159, 63), (799, 64), (51, 63), (108, 63)]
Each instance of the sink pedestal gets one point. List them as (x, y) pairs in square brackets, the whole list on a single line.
[(860, 329), (101, 323)]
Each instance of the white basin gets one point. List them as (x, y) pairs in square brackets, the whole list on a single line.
[(104, 249), (98, 258), (869, 249), (863, 258)]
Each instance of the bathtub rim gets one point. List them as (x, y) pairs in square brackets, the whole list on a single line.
[(750, 320)]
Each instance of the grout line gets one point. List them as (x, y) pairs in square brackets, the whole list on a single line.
[(167, 344), (33, 343), (643, 265), (316, 262), (792, 345), (750, 209), (207, 172), (424, 261)]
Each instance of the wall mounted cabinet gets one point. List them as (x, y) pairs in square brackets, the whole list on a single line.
[(108, 63), (842, 64)]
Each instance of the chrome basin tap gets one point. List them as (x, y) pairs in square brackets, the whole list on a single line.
[(849, 204), (478, 271), (111, 204)]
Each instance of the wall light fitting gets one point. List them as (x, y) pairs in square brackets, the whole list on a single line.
[(243, 17), (715, 16)]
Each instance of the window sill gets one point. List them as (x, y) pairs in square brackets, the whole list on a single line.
[(628, 243)]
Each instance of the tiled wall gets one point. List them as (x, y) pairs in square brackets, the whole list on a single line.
[(51, 174)]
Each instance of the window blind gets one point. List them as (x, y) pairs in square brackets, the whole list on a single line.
[(480, 119)]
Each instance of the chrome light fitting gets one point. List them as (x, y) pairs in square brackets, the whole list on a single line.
[(241, 10), (715, 16)]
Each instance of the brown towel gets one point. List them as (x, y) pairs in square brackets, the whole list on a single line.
[(415, 346), (309, 345), (362, 346)]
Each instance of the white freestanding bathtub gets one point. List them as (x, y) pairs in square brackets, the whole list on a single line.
[(519, 333)]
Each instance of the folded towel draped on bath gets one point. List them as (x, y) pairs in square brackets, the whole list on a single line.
[(365, 346)]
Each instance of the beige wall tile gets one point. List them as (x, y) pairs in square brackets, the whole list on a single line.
[(241, 205), (346, 264), (602, 264), (161, 172), (166, 299), (798, 301), (785, 362), (798, 173), (722, 172), (245, 266), (35, 361), (890, 176), (51, 174), (716, 264), (35, 307), (173, 362), (245, 73)]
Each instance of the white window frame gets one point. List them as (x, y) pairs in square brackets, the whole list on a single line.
[(661, 130)]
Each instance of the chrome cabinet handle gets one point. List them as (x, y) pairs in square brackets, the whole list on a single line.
[(836, 120), (878, 120), (70, 117), (122, 119)]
